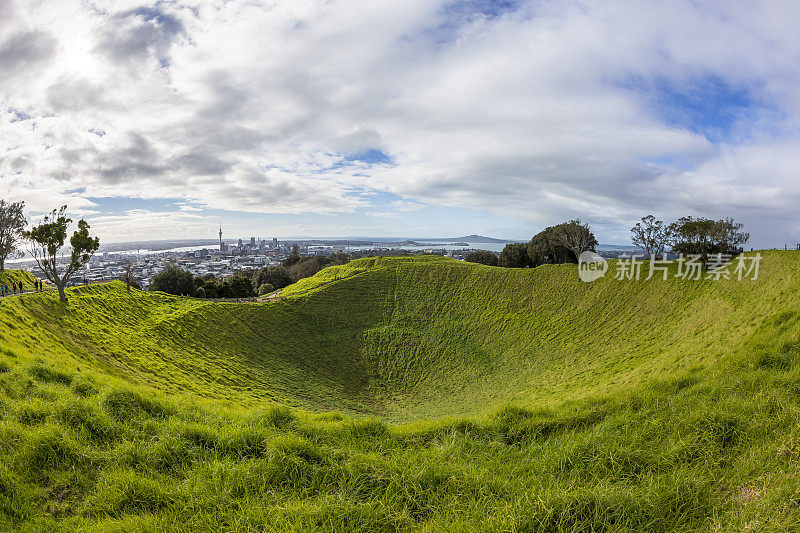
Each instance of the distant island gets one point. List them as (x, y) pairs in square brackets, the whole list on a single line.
[(470, 239)]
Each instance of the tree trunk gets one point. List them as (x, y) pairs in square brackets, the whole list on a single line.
[(61, 294), (2, 263)]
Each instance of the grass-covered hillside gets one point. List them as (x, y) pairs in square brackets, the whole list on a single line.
[(408, 394), (9, 276)]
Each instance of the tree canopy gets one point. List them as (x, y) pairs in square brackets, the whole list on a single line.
[(483, 257), (174, 280), (12, 226), (651, 235), (576, 236), (515, 255), (49, 237), (277, 276), (547, 247), (703, 236)]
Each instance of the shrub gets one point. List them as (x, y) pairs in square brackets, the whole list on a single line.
[(265, 288), (174, 280), (483, 257), (277, 276)]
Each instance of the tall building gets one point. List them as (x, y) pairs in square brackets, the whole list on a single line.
[(274, 243), (221, 244), (252, 242)]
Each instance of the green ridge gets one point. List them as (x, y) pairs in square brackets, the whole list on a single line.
[(9, 276), (651, 405)]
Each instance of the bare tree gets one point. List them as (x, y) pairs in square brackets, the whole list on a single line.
[(651, 235), (128, 273), (576, 236), (12, 224), (49, 237)]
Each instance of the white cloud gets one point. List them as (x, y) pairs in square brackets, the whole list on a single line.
[(537, 114)]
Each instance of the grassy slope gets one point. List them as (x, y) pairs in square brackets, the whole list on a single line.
[(652, 405), (9, 276)]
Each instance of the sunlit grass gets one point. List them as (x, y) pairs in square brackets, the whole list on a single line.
[(495, 399)]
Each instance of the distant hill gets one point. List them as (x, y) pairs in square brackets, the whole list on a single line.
[(473, 239), (405, 394)]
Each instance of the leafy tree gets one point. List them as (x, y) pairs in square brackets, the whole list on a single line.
[(238, 286), (206, 287), (730, 236), (277, 276), (293, 258), (651, 235), (339, 258), (546, 247), (307, 266), (12, 226), (576, 236), (483, 257), (174, 280), (514, 256), (265, 288), (703, 236), (49, 237)]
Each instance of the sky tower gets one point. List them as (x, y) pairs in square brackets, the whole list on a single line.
[(221, 244)]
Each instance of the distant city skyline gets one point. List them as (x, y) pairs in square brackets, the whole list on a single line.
[(424, 117)]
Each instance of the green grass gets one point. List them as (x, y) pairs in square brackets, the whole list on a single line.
[(408, 394), (9, 276)]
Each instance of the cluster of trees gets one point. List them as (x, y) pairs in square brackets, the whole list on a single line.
[(175, 280), (565, 242), (553, 245), (689, 235), (46, 241)]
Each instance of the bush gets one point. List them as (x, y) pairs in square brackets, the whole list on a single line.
[(174, 280), (265, 288), (277, 276), (238, 286), (514, 256), (483, 257)]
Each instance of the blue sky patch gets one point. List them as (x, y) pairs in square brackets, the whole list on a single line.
[(707, 105), (373, 156)]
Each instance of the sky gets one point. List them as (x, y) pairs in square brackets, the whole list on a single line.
[(437, 118)]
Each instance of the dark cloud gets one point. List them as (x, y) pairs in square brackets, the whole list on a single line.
[(76, 95), (138, 160), (201, 164), (140, 33), (24, 50)]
